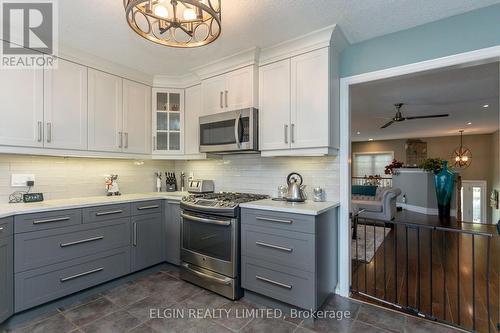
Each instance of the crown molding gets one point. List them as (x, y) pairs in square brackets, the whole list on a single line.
[(178, 82), (241, 59), (89, 60), (302, 44)]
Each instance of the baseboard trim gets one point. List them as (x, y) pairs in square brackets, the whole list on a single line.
[(423, 210)]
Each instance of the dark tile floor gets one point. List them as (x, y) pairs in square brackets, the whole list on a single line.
[(126, 308)]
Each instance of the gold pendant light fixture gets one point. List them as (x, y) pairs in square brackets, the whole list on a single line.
[(176, 23), (462, 156)]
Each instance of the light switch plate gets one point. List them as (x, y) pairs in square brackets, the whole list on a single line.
[(20, 179)]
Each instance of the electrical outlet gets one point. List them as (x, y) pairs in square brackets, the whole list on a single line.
[(20, 179)]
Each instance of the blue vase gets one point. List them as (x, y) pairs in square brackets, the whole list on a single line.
[(445, 184)]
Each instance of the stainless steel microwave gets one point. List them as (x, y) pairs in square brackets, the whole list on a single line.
[(230, 132)]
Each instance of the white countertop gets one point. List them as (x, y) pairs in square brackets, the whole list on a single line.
[(308, 207), (48, 205)]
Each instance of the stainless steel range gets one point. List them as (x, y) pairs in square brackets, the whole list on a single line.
[(210, 240)]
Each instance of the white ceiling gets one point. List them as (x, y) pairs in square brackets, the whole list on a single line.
[(460, 92), (99, 27)]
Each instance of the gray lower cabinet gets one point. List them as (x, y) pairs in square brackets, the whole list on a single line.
[(147, 241), (47, 283), (291, 258), (173, 232), (6, 269)]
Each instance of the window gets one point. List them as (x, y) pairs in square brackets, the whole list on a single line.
[(371, 164)]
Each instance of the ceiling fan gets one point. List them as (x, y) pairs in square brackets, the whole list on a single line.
[(399, 116)]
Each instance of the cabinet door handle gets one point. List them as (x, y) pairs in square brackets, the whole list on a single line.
[(120, 138), (109, 212), (40, 129), (126, 139), (286, 249), (148, 207), (292, 133), (286, 133), (49, 132), (154, 142), (88, 240), (59, 219), (134, 240), (225, 93), (72, 277), (221, 96), (274, 220), (279, 284)]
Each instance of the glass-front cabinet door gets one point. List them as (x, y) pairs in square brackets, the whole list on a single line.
[(168, 121)]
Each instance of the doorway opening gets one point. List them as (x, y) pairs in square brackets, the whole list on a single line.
[(402, 254)]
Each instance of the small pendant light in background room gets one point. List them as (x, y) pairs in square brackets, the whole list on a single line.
[(462, 156)]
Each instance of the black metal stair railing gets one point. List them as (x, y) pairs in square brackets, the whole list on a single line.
[(441, 273)]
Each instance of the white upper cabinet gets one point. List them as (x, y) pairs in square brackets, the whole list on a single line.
[(213, 91), (241, 88), (274, 105), (191, 126), (65, 106), (21, 111), (136, 118), (309, 120), (231, 91), (294, 106), (105, 112), (168, 121)]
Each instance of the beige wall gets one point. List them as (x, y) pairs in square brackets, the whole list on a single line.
[(442, 147)]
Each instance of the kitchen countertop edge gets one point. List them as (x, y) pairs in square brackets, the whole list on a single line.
[(305, 208), (8, 210)]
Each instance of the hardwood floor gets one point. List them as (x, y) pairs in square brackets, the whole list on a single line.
[(451, 275)]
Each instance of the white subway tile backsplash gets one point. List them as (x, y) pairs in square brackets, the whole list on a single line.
[(255, 174), (63, 177)]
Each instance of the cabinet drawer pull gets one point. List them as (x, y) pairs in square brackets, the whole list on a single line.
[(274, 247), (279, 284), (88, 240), (72, 277), (274, 220), (109, 213), (148, 207), (59, 219)]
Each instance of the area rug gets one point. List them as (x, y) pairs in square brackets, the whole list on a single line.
[(380, 234)]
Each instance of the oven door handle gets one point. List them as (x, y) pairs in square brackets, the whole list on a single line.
[(226, 281), (203, 220)]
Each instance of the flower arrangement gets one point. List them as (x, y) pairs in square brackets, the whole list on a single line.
[(390, 169), (434, 165)]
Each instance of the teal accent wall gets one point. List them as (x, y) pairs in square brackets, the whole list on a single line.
[(457, 34)]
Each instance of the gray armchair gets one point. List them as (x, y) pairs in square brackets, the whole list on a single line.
[(381, 207)]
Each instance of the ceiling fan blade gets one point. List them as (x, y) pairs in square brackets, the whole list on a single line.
[(430, 116), (388, 124)]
